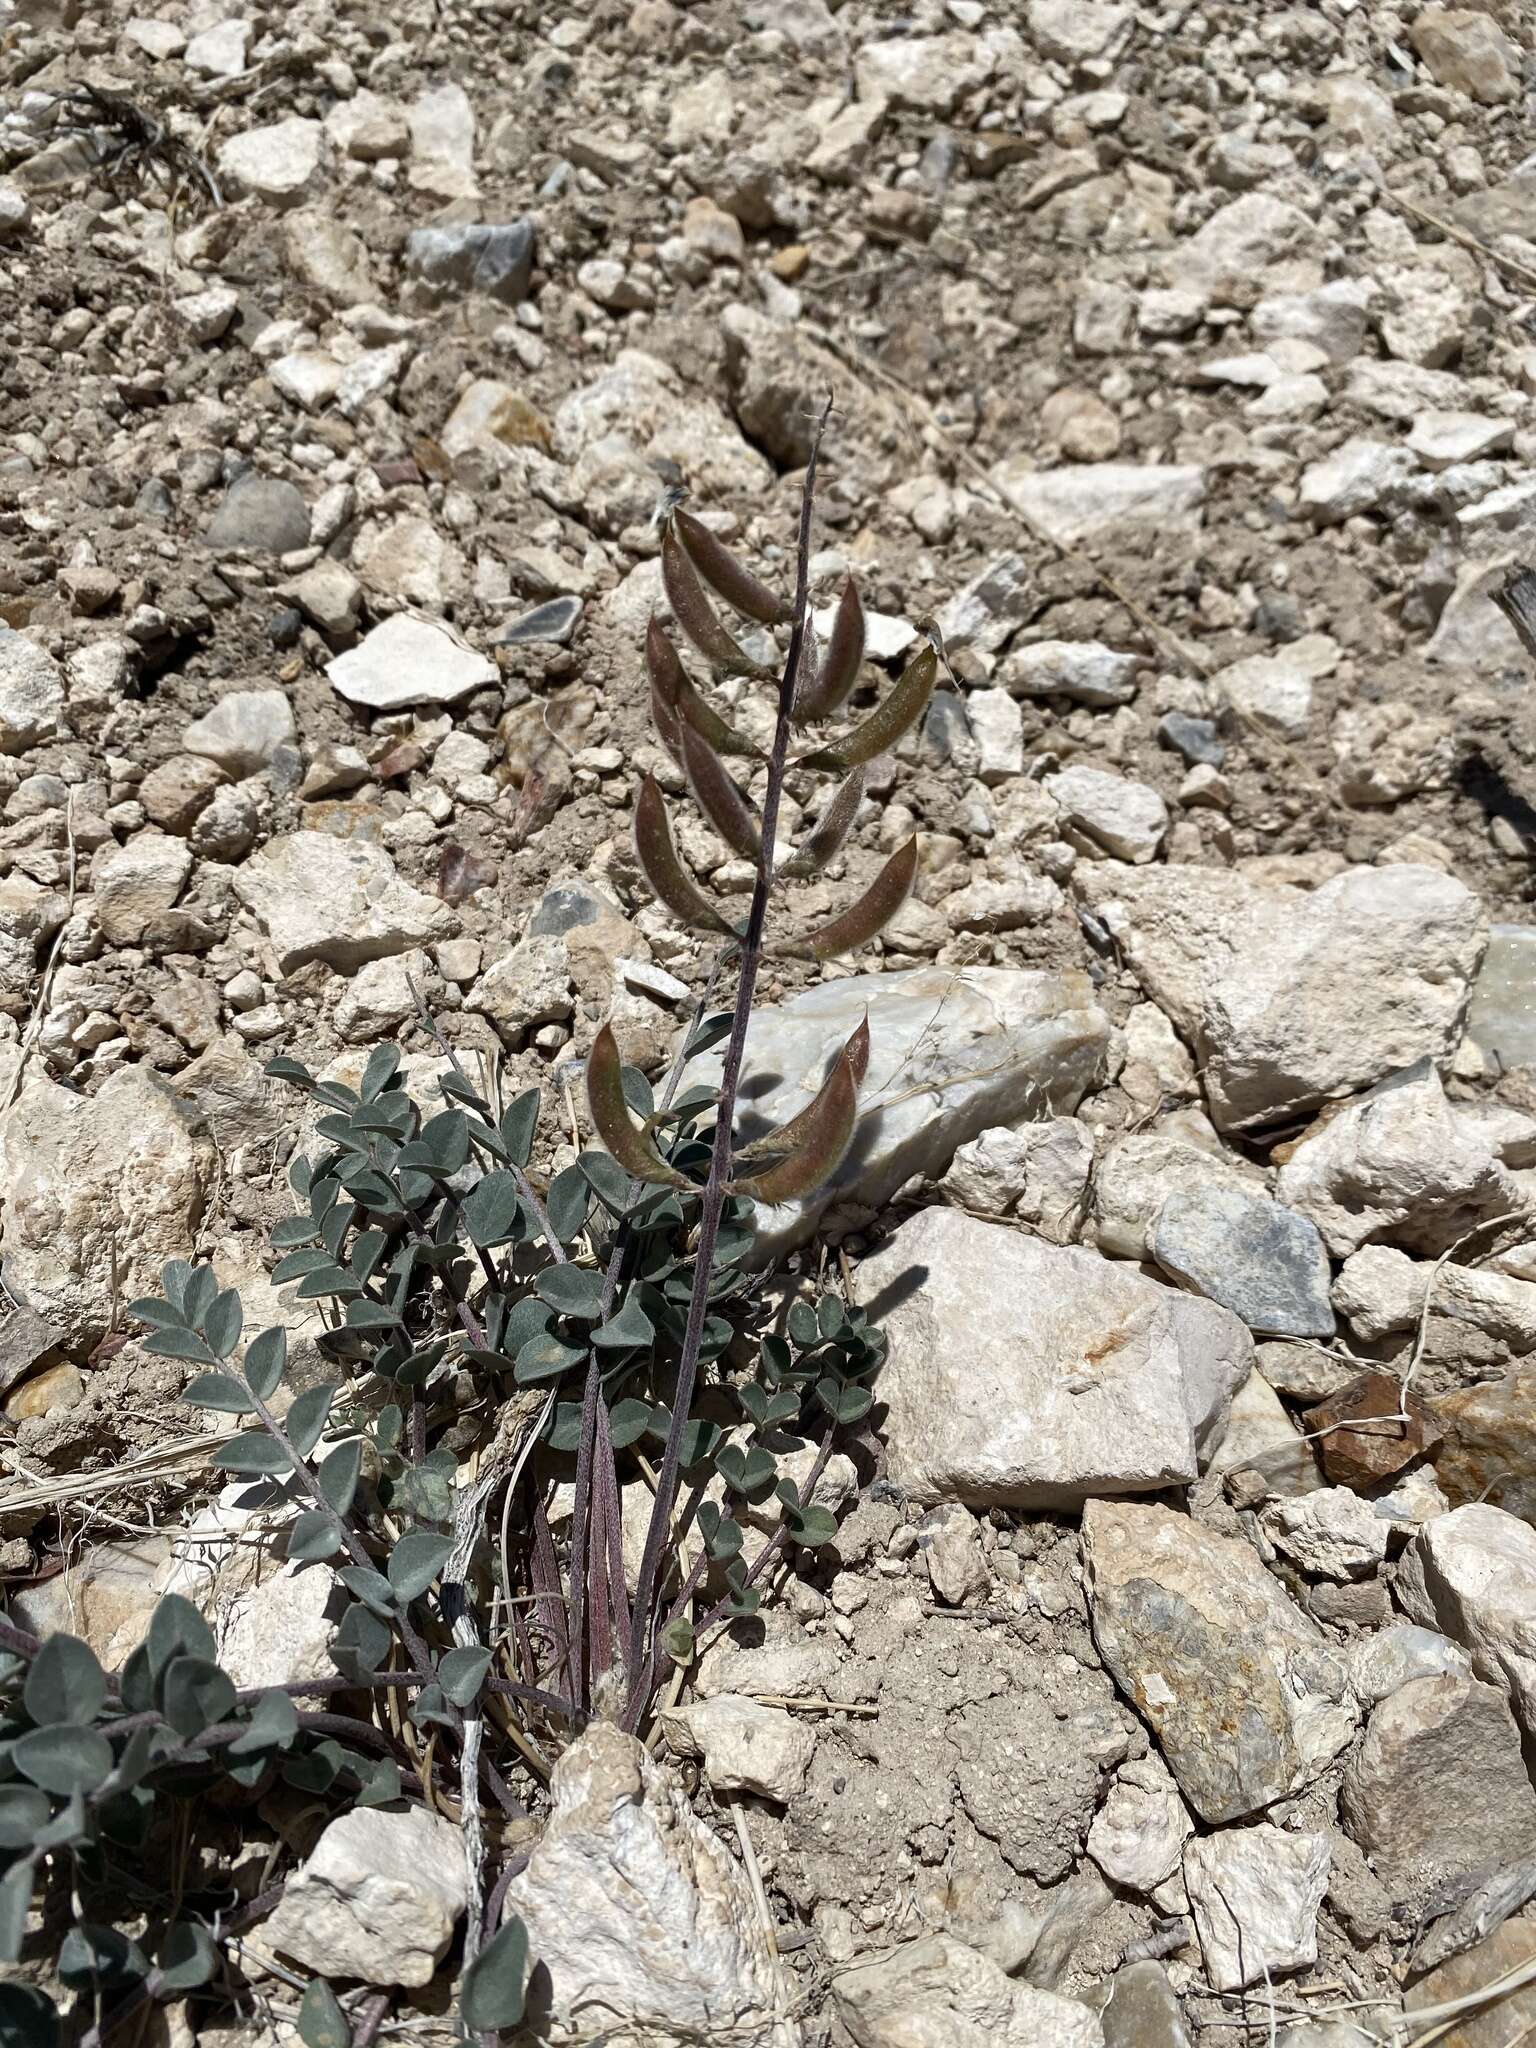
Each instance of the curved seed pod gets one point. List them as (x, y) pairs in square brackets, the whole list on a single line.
[(892, 716), (825, 1133), (677, 697), (671, 881), (873, 911), (830, 829), (718, 796), (695, 614), (633, 1147), (725, 575), (844, 657), (797, 1132), (807, 677), (667, 680)]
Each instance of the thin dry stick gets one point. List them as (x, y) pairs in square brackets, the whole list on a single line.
[(754, 1873), (1510, 265)]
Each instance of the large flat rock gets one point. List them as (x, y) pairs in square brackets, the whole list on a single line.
[(953, 1052), (1290, 998), (1026, 1374)]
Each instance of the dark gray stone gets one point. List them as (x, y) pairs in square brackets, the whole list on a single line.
[(26, 1339), (155, 501), (1262, 1261), (262, 514), (554, 621), (564, 907), (1141, 2010), (1194, 739), (496, 260)]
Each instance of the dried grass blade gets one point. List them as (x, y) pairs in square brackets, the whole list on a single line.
[(725, 575)]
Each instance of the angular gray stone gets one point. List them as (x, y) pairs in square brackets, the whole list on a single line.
[(264, 515), (1394, 1656), (409, 660), (1262, 1261), (1472, 1574), (940, 1993), (1085, 670), (952, 1052), (550, 623), (1033, 1375), (1142, 2010), (1087, 500), (1289, 997), (1439, 1790), (496, 260), (1246, 1698)]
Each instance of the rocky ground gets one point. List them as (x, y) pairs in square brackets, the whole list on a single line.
[(1158, 1689)]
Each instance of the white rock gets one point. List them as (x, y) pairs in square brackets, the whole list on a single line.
[(409, 660), (442, 124), (97, 1185), (243, 731), (1442, 439), (1361, 476), (1138, 1173), (337, 900), (1124, 819), (952, 1053), (640, 1919), (31, 693), (378, 1898), (1228, 258), (1471, 1574), (1138, 1835), (1394, 1656), (1381, 1290), (1331, 1533), (1255, 1894), (368, 127), (744, 1747), (205, 315), (997, 726), (1085, 670), (926, 73), (136, 887), (1033, 1375), (307, 376), (1088, 500), (157, 39), (1289, 998), (1389, 751), (886, 637), (939, 1993), (1261, 1437), (1396, 1166), (1274, 691), (1333, 317), (278, 164), (219, 52), (1039, 1171), (957, 1564)]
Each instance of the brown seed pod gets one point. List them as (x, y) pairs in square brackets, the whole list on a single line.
[(725, 575), (629, 1142), (894, 715), (719, 797), (830, 829), (844, 657), (825, 1130), (669, 879), (870, 915), (791, 1136), (695, 614), (677, 698)]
